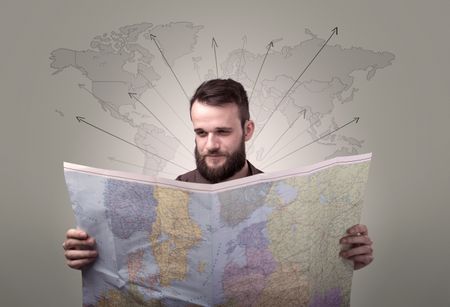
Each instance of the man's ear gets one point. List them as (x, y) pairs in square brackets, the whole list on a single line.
[(249, 128)]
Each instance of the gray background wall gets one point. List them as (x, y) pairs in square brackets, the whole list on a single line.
[(406, 125)]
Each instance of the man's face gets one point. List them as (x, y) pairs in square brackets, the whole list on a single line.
[(219, 139)]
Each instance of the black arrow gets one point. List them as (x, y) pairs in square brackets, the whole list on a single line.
[(82, 119), (356, 119), (285, 131), (296, 136), (133, 96), (334, 31), (153, 38), (83, 87), (269, 46), (150, 85), (214, 46)]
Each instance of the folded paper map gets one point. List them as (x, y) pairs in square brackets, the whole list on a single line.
[(270, 239)]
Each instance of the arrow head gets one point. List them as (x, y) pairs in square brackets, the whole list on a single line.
[(335, 30), (214, 43), (356, 120), (80, 118), (152, 37), (270, 45), (132, 95), (304, 113)]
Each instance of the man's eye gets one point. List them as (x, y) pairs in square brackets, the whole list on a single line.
[(200, 133), (223, 132)]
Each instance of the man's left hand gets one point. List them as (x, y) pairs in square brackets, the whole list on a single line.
[(360, 251)]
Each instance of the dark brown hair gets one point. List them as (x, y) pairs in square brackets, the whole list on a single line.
[(217, 92)]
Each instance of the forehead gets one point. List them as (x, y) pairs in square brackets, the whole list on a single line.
[(210, 117)]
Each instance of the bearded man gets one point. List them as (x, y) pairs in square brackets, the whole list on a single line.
[(220, 115)]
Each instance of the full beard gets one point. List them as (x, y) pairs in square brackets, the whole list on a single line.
[(234, 162)]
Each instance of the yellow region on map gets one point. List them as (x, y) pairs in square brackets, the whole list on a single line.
[(287, 286), (201, 266), (174, 233), (135, 265), (129, 298), (306, 230)]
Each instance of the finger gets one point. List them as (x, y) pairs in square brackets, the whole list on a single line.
[(76, 234), (360, 250), (80, 254), (80, 263), (358, 229), (79, 244), (363, 258), (356, 240), (361, 261)]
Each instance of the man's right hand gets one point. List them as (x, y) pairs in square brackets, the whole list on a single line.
[(80, 249)]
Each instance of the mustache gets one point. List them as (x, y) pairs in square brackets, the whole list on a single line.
[(215, 153)]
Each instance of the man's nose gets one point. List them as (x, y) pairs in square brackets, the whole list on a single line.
[(212, 142)]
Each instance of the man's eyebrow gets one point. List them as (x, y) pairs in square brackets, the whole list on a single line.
[(223, 129), (215, 129)]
